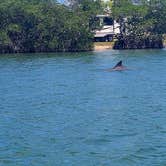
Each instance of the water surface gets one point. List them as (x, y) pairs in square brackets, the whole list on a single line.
[(67, 110)]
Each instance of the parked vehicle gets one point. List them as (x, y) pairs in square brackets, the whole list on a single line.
[(109, 29)]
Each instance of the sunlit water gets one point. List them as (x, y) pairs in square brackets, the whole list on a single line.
[(67, 110)]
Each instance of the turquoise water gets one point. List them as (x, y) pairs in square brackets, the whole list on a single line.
[(67, 110)]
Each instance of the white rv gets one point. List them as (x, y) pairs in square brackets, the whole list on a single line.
[(110, 29)]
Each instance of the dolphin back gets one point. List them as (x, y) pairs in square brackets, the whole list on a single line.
[(119, 64)]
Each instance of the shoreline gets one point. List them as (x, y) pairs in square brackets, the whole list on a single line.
[(101, 46), (98, 46)]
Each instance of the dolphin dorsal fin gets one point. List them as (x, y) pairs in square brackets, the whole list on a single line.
[(119, 64)]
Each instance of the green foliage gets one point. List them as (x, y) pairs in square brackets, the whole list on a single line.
[(147, 16), (142, 20), (157, 13), (88, 9), (45, 26)]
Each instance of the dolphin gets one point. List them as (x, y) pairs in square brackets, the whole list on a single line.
[(118, 67)]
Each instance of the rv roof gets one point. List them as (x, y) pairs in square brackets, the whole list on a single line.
[(102, 15)]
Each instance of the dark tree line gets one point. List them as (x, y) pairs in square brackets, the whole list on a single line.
[(143, 23), (46, 26)]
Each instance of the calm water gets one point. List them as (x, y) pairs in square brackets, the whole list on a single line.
[(66, 110)]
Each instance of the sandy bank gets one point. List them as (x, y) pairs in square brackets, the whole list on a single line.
[(103, 46)]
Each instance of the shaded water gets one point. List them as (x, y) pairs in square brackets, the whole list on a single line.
[(65, 110)]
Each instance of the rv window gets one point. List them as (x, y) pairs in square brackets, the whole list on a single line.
[(108, 21)]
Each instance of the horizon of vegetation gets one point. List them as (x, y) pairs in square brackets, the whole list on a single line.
[(51, 26)]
